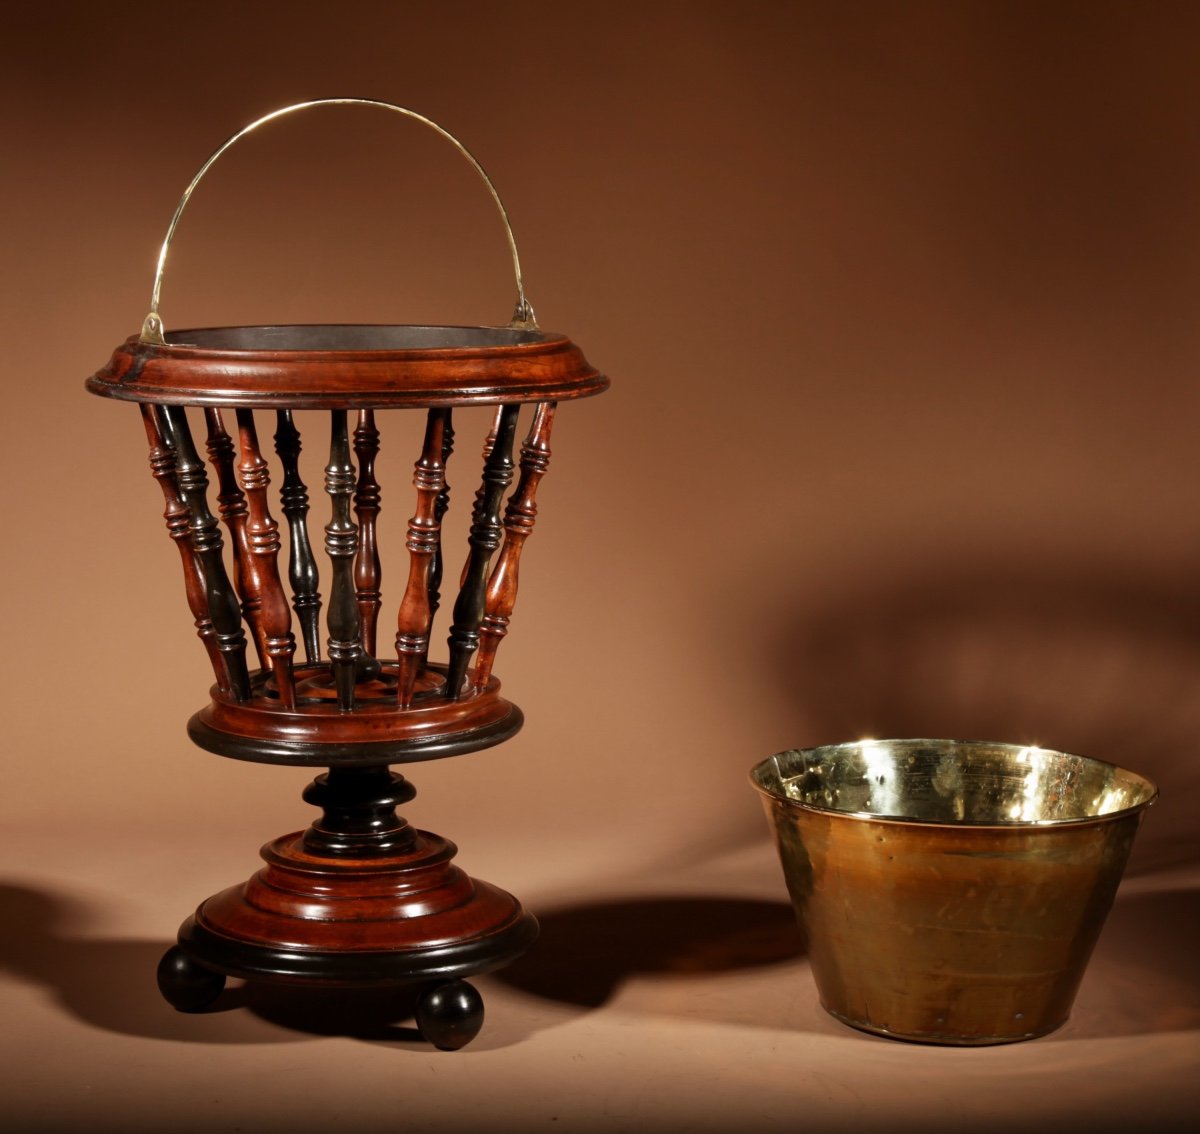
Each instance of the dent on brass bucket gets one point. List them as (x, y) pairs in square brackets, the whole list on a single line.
[(950, 891)]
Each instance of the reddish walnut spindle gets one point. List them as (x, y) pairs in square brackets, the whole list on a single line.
[(423, 542), (519, 518), (260, 569), (178, 518), (482, 540), (204, 532)]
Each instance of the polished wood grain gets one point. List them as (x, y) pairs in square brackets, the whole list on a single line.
[(483, 539), (178, 519), (259, 553), (489, 443), (359, 899), (528, 366), (423, 541), (231, 504), (378, 731), (368, 571), (205, 535), (519, 518), (341, 543), (437, 566), (302, 565), (372, 899)]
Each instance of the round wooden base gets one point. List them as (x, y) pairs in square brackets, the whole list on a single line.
[(348, 921), (319, 915)]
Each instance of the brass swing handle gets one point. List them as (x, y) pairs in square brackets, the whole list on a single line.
[(152, 327)]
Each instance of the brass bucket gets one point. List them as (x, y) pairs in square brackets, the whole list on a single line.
[(950, 891)]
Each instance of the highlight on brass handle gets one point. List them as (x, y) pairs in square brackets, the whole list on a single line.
[(152, 327)]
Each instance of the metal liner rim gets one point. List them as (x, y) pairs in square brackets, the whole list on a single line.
[(1012, 825), (528, 340)]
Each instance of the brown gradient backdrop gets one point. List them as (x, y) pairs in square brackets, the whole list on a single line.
[(900, 303)]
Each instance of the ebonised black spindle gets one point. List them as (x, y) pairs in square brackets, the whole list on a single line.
[(341, 543), (178, 518), (206, 540), (368, 572), (302, 564), (231, 503)]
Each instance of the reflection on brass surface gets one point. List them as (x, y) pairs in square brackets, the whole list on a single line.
[(950, 891)]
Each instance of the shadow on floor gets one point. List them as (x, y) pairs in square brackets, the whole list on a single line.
[(585, 952), (1143, 977), (582, 956), (110, 984)]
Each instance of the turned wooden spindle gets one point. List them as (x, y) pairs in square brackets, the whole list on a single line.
[(231, 504), (302, 564), (260, 564), (489, 443), (254, 536), (439, 512), (341, 543), (483, 539), (368, 572), (519, 517), (178, 518), (205, 534), (423, 539)]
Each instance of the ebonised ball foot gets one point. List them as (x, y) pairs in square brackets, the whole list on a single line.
[(185, 985), (450, 1015)]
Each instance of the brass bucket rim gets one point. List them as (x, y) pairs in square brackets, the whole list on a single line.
[(1149, 789)]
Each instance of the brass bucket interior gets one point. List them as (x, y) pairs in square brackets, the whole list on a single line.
[(950, 891)]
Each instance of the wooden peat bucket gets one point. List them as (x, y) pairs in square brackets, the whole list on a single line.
[(351, 683)]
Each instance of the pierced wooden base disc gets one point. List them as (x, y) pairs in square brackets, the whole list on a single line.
[(316, 733), (358, 922)]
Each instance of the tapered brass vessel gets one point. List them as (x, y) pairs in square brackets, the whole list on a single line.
[(950, 891)]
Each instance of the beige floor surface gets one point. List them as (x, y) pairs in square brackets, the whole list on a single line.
[(676, 1005)]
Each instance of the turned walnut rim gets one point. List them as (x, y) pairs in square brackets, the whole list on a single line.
[(348, 366), (316, 733)]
